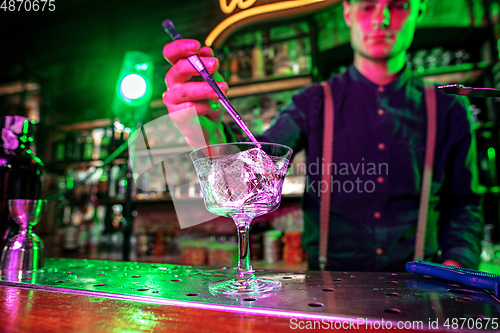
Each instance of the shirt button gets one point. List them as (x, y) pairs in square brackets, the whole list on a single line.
[(380, 180), (381, 146), (376, 215), (381, 112), (379, 251), (381, 89)]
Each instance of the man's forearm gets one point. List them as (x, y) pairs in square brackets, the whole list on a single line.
[(462, 235)]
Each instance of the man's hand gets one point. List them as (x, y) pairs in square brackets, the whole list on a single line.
[(184, 94)]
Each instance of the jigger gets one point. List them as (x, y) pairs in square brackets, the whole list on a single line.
[(24, 251)]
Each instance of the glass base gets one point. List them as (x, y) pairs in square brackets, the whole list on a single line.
[(252, 286)]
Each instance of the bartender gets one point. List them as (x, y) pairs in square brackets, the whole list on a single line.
[(379, 144)]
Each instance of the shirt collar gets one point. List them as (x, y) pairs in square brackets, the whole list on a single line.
[(395, 85)]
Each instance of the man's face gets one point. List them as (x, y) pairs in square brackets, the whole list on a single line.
[(381, 29)]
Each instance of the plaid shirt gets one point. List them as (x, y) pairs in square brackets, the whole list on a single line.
[(378, 156)]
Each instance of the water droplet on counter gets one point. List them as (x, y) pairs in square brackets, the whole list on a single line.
[(315, 305)]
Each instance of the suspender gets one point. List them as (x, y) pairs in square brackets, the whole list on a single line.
[(326, 175), (325, 197), (430, 146)]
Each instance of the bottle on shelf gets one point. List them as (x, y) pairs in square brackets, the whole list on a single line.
[(121, 183), (88, 188), (282, 64), (272, 246), (113, 180), (103, 184), (88, 211), (77, 193), (158, 248), (118, 224), (293, 252), (58, 233), (105, 245), (234, 69), (83, 238), (85, 146), (71, 231), (269, 61), (60, 148), (258, 58), (143, 184), (96, 228), (117, 135), (106, 143), (70, 147), (142, 243), (125, 137), (157, 182), (97, 136), (293, 56), (305, 59), (245, 65), (79, 145), (151, 243)]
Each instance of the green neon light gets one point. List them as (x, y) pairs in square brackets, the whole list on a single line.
[(491, 154), (70, 183), (141, 67), (39, 161), (492, 162), (26, 127), (133, 87)]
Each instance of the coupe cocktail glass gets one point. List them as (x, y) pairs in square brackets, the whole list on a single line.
[(242, 181)]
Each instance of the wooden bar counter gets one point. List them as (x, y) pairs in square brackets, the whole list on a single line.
[(71, 295)]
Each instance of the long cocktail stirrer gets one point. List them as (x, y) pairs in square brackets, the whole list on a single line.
[(196, 62)]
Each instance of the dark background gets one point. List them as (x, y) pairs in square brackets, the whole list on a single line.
[(75, 52)]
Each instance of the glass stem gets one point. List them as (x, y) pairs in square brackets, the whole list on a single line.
[(25, 229), (245, 270)]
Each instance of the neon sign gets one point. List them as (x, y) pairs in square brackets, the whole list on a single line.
[(229, 8), (247, 12)]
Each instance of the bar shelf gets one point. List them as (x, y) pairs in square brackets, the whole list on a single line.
[(267, 86)]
